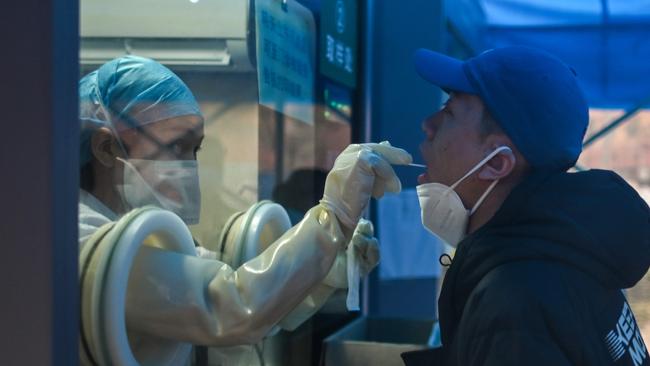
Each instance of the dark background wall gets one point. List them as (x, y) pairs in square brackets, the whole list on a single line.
[(38, 161), (400, 100)]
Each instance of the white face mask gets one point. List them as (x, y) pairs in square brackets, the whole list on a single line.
[(442, 210), (180, 176)]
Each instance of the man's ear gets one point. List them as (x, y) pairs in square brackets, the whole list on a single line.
[(103, 147), (499, 167)]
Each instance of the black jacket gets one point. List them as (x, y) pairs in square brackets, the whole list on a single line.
[(540, 284)]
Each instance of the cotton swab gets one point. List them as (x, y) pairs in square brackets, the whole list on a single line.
[(417, 165)]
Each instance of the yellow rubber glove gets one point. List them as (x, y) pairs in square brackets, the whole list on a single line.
[(359, 172), (365, 251)]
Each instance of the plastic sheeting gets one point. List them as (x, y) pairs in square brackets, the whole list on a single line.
[(606, 41)]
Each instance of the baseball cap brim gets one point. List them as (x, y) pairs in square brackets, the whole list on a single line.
[(443, 71)]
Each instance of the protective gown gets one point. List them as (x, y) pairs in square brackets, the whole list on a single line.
[(177, 297), (204, 301)]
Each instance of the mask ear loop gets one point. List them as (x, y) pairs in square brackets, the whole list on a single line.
[(493, 184), (109, 121), (482, 198), (480, 164), (105, 111), (477, 167)]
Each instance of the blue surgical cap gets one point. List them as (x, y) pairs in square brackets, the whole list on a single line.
[(130, 92)]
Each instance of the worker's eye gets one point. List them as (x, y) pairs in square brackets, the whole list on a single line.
[(174, 150), (177, 149)]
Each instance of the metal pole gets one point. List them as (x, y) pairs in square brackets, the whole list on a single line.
[(366, 15), (607, 129), (279, 147)]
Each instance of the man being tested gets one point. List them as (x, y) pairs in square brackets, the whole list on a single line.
[(542, 254)]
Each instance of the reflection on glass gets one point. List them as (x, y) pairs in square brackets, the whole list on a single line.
[(229, 157), (207, 135)]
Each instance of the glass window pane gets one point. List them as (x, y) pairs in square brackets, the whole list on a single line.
[(206, 107)]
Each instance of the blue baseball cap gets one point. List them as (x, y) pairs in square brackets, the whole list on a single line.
[(532, 95)]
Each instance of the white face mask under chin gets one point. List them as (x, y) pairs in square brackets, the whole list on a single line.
[(442, 210), (180, 175)]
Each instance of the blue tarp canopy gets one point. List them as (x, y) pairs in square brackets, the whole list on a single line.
[(606, 41)]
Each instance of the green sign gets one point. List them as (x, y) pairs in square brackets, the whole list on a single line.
[(338, 41)]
